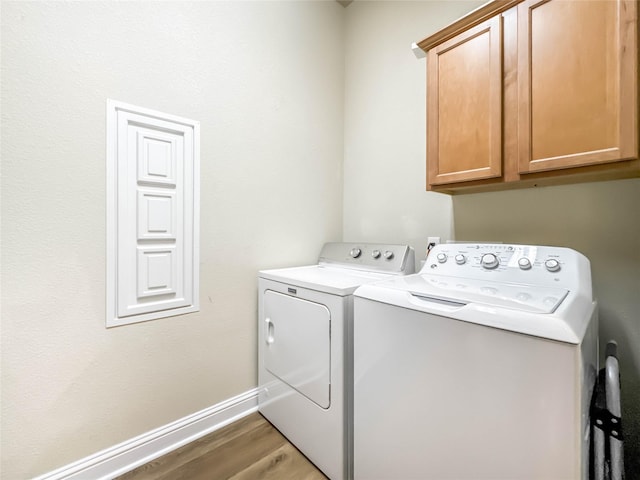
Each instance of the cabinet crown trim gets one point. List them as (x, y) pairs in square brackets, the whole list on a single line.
[(473, 18)]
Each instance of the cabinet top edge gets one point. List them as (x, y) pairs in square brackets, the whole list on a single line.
[(473, 18)]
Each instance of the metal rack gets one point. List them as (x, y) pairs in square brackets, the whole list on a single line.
[(606, 418)]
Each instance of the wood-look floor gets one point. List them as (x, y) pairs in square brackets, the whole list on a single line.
[(249, 449)]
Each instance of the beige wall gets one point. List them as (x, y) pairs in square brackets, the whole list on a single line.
[(265, 80), (600, 220), (385, 121), (384, 196)]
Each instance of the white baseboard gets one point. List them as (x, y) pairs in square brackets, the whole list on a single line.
[(130, 454)]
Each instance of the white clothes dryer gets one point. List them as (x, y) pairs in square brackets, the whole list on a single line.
[(480, 366), (305, 350)]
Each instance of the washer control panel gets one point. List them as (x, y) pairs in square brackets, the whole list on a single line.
[(503, 262), (387, 258)]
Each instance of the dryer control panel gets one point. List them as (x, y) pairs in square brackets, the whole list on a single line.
[(374, 257), (522, 264)]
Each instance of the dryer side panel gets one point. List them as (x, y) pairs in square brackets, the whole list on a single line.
[(298, 345)]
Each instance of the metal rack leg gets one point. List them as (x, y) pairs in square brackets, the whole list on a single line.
[(612, 389)]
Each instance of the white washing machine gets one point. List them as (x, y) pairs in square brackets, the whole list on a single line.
[(481, 366), (305, 350)]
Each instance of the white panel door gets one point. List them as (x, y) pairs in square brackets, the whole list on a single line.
[(298, 345), (153, 212)]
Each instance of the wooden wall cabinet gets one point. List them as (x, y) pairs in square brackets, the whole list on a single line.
[(534, 92)]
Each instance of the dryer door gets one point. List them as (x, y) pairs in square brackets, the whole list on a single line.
[(298, 344)]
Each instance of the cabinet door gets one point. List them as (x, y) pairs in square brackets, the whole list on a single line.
[(464, 106), (577, 83)]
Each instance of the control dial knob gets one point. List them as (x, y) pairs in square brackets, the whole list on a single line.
[(442, 257), (355, 252), (489, 261), (461, 259), (388, 254), (376, 254), (524, 263), (552, 265)]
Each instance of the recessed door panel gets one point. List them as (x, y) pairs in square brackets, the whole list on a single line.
[(298, 344), (152, 216)]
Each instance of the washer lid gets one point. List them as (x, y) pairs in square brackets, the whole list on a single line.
[(323, 278), (527, 298), (564, 316)]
